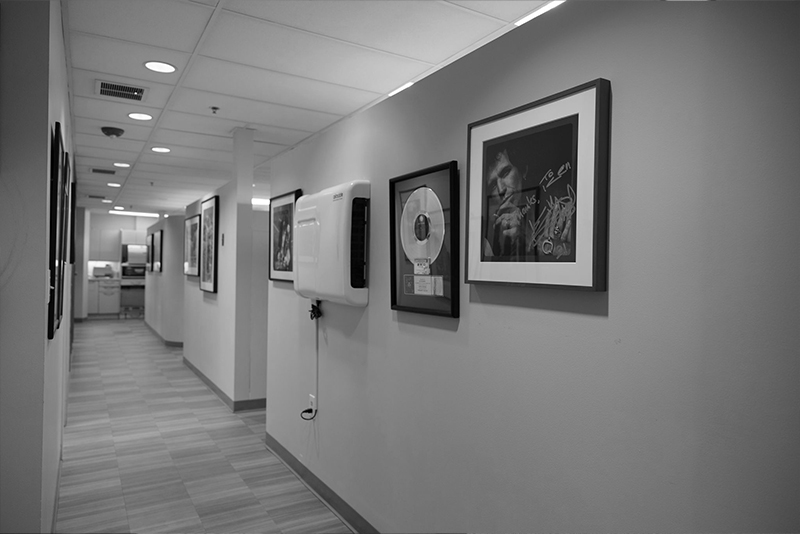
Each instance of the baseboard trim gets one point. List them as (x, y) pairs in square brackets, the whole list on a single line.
[(211, 385), (344, 510), (164, 341), (250, 404), (234, 406)]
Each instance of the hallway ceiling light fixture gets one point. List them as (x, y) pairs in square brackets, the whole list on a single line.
[(119, 208), (114, 184), (541, 11), (160, 149), (134, 213), (260, 201), (122, 165), (140, 116), (106, 201), (401, 88), (160, 66)]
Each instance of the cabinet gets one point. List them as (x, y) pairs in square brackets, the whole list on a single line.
[(105, 244), (134, 237), (92, 309), (103, 296)]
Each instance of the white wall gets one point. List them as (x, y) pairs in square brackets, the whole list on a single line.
[(163, 310), (32, 369), (218, 336), (668, 403)]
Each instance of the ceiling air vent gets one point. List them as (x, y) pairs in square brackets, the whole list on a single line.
[(118, 90), (97, 197), (103, 171)]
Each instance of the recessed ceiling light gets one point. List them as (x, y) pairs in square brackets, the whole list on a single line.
[(140, 116), (122, 165), (106, 201), (114, 184), (160, 149), (160, 66), (119, 208), (166, 216)]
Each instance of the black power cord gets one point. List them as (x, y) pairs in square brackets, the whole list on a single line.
[(315, 311), (306, 411)]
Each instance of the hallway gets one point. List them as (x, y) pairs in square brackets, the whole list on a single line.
[(149, 448)]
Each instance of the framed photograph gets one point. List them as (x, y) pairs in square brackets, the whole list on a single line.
[(64, 224), (191, 246), (281, 216), (209, 218), (56, 223), (157, 248), (150, 253), (537, 194), (423, 227)]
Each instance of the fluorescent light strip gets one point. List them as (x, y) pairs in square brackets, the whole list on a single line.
[(541, 11), (260, 201), (134, 213), (122, 165), (401, 88)]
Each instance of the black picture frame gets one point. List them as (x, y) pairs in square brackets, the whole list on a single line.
[(55, 254), (150, 253), (209, 236), (191, 245), (64, 224), (424, 240), (537, 192), (158, 249), (281, 235)]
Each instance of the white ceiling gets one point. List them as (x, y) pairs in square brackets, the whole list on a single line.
[(285, 68)]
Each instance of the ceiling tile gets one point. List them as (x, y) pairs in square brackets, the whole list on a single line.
[(187, 163), (166, 23), (92, 127), (239, 109), (506, 10), (82, 141), (218, 126), (100, 54), (212, 142), (93, 108), (412, 29), (235, 79), (84, 83), (253, 42)]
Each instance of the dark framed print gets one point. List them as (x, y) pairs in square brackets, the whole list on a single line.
[(191, 246), (423, 227), (72, 213), (64, 224), (157, 250), (150, 253), (209, 218), (281, 235), (56, 222), (537, 194)]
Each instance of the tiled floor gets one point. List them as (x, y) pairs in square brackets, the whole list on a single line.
[(149, 448)]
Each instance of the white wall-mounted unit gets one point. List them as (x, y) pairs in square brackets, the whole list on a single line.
[(330, 244)]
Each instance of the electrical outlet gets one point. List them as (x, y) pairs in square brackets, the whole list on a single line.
[(312, 402)]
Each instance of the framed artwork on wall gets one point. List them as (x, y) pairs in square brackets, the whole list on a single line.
[(191, 246), (57, 157), (424, 235), (281, 235), (150, 253), (537, 194), (209, 218), (157, 248)]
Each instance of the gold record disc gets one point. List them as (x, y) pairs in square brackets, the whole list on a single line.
[(422, 225)]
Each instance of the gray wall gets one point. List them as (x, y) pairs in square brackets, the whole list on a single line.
[(669, 403), (163, 310), (33, 96)]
